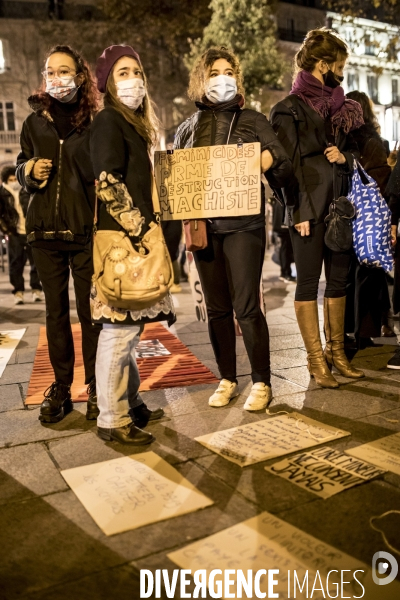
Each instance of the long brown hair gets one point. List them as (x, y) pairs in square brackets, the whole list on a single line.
[(143, 118), (320, 44), (41, 101), (368, 113), (202, 66)]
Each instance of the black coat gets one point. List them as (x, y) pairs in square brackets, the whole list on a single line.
[(305, 135), (373, 155), (62, 207), (209, 127), (118, 149), (9, 216)]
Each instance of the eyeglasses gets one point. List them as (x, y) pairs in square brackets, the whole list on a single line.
[(61, 72)]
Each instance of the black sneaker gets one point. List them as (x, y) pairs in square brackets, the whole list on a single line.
[(394, 362), (92, 410), (141, 415), (56, 404), (129, 434), (288, 278)]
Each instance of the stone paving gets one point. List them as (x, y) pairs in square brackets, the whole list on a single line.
[(51, 548)]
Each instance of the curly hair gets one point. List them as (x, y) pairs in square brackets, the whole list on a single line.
[(320, 44), (143, 118), (41, 101), (202, 66), (7, 172), (368, 113)]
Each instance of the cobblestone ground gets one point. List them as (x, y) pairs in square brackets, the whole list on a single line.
[(51, 549)]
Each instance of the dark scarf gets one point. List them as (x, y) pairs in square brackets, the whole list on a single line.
[(232, 105), (330, 102)]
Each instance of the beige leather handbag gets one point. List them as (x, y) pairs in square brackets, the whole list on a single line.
[(132, 277)]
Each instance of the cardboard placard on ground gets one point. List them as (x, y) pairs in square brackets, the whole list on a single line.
[(270, 438), (132, 491), (384, 453), (209, 182), (267, 542), (9, 340), (324, 471)]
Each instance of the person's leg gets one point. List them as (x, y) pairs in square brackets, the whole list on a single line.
[(285, 255), (337, 267), (17, 260), (244, 257), (211, 267), (113, 370), (34, 275), (53, 269), (82, 270), (308, 255)]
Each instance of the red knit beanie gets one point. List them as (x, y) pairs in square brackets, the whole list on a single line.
[(108, 59)]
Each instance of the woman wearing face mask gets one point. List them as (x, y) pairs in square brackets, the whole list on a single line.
[(123, 134), (54, 167), (314, 125), (231, 265)]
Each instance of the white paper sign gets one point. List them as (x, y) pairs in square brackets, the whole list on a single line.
[(384, 453), (267, 542), (151, 349), (132, 491), (9, 340), (263, 440), (209, 182), (324, 471), (197, 290)]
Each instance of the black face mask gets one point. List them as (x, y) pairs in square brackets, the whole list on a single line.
[(331, 80)]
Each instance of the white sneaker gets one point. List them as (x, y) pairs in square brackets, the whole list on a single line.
[(18, 298), (36, 296), (224, 393), (259, 398)]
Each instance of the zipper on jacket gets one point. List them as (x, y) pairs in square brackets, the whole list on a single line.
[(58, 186), (213, 128)]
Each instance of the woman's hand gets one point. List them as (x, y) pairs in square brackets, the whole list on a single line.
[(266, 161), (41, 169), (334, 155), (303, 228), (393, 234)]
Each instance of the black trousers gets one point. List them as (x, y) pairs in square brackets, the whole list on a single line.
[(18, 253), (230, 271), (309, 254), (54, 268), (285, 254)]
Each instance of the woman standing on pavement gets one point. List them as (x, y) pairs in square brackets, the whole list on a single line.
[(314, 125), (122, 135), (230, 266), (54, 167)]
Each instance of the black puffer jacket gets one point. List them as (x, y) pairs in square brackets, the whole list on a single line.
[(61, 208), (9, 216), (212, 127)]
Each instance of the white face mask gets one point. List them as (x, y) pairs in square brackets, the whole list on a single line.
[(14, 185), (62, 88), (131, 92), (221, 88)]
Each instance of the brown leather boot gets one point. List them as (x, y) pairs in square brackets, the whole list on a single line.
[(334, 309), (307, 318)]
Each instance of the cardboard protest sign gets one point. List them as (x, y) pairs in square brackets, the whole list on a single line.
[(197, 290), (324, 471), (209, 182), (302, 561), (9, 340), (263, 440), (384, 453), (151, 349), (132, 491)]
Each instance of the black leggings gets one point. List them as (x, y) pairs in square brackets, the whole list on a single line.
[(230, 272), (309, 254)]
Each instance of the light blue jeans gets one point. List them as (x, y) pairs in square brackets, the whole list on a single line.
[(117, 374)]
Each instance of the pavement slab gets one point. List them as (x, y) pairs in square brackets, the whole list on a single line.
[(10, 397)]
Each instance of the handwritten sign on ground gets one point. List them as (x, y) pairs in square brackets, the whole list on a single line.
[(267, 542), (150, 349), (324, 471), (263, 440), (9, 340), (209, 182), (384, 453), (132, 491)]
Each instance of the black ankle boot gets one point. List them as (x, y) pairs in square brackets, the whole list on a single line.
[(56, 404), (92, 411), (141, 415)]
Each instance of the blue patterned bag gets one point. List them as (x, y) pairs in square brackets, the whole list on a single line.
[(371, 226)]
